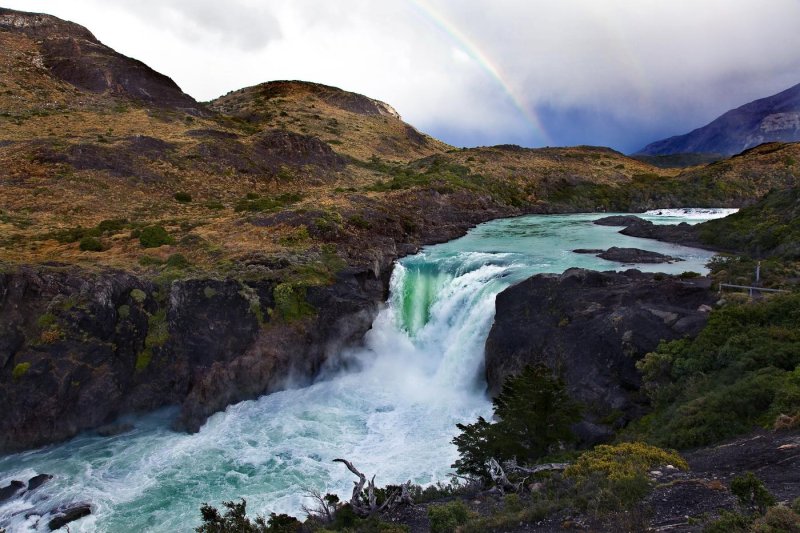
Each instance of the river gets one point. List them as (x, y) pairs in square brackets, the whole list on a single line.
[(392, 411)]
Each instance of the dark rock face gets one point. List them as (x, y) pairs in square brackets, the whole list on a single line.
[(618, 220), (287, 148), (11, 490), (37, 481), (74, 55), (775, 118), (130, 158), (635, 255), (590, 328), (69, 514), (78, 349)]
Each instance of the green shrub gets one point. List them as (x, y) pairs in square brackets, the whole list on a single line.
[(214, 204), (138, 296), (91, 244), (112, 226), (359, 222), (290, 302), (155, 236), (178, 261), (20, 370), (124, 311), (729, 522), (740, 371), (47, 320), (183, 197), (752, 493), (534, 413), (447, 517)]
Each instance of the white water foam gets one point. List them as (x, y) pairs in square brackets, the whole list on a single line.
[(692, 213)]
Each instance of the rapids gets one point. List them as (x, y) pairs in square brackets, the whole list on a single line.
[(392, 411)]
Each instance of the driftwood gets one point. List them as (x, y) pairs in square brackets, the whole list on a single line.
[(400, 495), (500, 479)]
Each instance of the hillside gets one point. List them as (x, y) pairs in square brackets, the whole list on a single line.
[(771, 119)]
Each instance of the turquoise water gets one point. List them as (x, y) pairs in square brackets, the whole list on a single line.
[(393, 413)]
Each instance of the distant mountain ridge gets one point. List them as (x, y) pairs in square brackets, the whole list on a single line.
[(775, 118)]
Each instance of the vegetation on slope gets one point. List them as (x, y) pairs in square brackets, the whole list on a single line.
[(743, 370)]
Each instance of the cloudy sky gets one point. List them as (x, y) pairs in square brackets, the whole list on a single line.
[(619, 73)]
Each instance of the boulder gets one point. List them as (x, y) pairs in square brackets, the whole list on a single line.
[(37, 481), (67, 514), (618, 220), (11, 490), (635, 255)]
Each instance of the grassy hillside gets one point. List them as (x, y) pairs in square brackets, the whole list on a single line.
[(95, 148)]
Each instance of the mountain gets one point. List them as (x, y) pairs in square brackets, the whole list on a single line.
[(775, 118)]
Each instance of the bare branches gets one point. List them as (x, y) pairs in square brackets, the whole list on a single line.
[(370, 507), (326, 505), (500, 479)]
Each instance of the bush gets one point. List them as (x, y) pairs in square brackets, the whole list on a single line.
[(447, 517), (534, 413), (740, 371), (91, 244), (155, 236), (177, 261), (778, 519), (729, 522), (20, 370), (290, 302), (623, 461), (183, 197), (752, 493)]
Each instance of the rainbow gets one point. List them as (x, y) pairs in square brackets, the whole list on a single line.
[(469, 47)]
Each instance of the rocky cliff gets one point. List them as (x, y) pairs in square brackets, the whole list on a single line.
[(590, 328), (79, 348)]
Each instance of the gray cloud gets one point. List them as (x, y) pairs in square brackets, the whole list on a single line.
[(618, 72)]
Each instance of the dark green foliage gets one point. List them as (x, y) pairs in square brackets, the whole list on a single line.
[(290, 302), (254, 202), (359, 222), (729, 522), (534, 414), (742, 370), (235, 520), (178, 261), (214, 204), (770, 227), (752, 493), (447, 517), (155, 236), (91, 244), (112, 226), (183, 197)]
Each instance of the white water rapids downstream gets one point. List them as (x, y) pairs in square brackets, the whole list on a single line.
[(393, 413)]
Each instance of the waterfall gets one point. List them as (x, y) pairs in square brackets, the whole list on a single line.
[(393, 413)]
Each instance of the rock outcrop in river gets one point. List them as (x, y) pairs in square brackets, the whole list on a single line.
[(591, 328)]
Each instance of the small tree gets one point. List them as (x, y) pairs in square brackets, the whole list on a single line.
[(535, 413)]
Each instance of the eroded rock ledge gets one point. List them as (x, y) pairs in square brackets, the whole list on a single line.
[(591, 327)]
